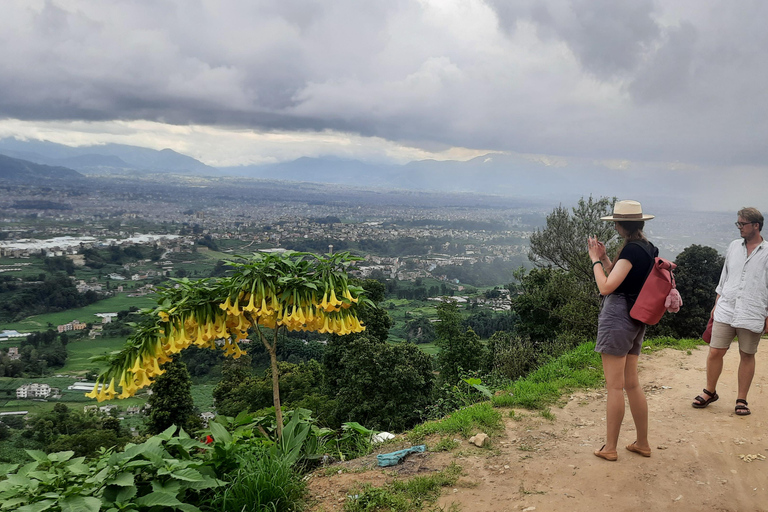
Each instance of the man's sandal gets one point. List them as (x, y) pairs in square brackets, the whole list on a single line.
[(741, 408), (701, 402)]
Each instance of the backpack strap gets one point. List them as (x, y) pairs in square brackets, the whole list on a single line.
[(651, 250)]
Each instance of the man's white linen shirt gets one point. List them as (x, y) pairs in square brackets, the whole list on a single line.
[(743, 287)]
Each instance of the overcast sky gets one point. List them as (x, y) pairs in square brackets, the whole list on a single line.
[(679, 83)]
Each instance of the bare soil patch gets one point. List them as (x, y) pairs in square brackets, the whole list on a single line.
[(547, 465)]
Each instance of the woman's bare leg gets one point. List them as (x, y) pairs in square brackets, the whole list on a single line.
[(638, 406), (613, 368)]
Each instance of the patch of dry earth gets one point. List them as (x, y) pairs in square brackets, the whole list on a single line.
[(549, 465)]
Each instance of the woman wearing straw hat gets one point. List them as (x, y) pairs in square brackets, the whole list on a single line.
[(619, 336)]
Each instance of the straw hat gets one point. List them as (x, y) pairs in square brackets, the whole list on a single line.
[(627, 210)]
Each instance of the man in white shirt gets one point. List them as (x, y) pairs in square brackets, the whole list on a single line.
[(741, 308)]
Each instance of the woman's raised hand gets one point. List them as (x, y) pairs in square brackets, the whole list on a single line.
[(596, 248)]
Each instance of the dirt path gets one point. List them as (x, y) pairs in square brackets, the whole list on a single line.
[(547, 465)]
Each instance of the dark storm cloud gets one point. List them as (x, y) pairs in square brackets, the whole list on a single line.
[(607, 37), (676, 81)]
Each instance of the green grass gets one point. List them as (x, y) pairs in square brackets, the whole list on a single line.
[(202, 394), (79, 353), (466, 422), (402, 495), (655, 344), (576, 369), (579, 368), (85, 314)]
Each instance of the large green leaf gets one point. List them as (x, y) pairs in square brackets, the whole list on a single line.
[(158, 499), (115, 494), (220, 433), (37, 507), (12, 504), (80, 504), (6, 469), (124, 479), (38, 455), (61, 456), (78, 469)]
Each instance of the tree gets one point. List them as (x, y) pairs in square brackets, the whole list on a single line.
[(266, 292), (459, 350), (420, 330), (560, 296), (381, 385), (171, 400), (697, 274), (551, 301), (563, 242)]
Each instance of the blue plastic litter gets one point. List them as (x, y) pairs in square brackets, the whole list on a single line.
[(394, 458)]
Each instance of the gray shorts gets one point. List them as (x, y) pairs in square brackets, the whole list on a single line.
[(618, 334)]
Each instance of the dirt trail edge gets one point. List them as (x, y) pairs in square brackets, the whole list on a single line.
[(547, 465)]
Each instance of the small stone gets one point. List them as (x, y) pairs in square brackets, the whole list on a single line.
[(679, 498)]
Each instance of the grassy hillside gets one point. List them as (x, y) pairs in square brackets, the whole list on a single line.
[(85, 314)]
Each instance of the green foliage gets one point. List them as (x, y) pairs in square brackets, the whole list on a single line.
[(697, 274), (511, 356), (260, 482), (171, 399), (485, 322), (563, 242), (65, 429), (551, 302), (299, 388), (579, 368), (226, 395), (54, 292), (403, 496), (165, 472), (380, 385), (465, 422), (420, 330), (459, 350)]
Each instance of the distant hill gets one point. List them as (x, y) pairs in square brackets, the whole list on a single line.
[(15, 169), (106, 158), (522, 177), (500, 174)]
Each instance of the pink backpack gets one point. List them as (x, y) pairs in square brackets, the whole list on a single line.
[(658, 294)]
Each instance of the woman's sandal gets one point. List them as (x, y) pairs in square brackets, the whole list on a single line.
[(611, 456), (701, 402), (741, 408), (634, 448)]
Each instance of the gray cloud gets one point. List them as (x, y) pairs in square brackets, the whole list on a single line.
[(600, 79)]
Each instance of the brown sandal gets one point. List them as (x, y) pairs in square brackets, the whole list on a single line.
[(610, 456), (701, 402), (633, 448)]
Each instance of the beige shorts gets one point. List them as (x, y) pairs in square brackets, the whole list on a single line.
[(723, 335)]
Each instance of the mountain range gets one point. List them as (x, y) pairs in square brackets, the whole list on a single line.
[(511, 175)]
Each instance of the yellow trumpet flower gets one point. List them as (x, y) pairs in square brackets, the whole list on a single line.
[(142, 379), (94, 392)]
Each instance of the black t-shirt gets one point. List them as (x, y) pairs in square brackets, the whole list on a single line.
[(641, 264)]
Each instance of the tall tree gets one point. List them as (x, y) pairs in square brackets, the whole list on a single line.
[(460, 350), (563, 242), (171, 400)]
